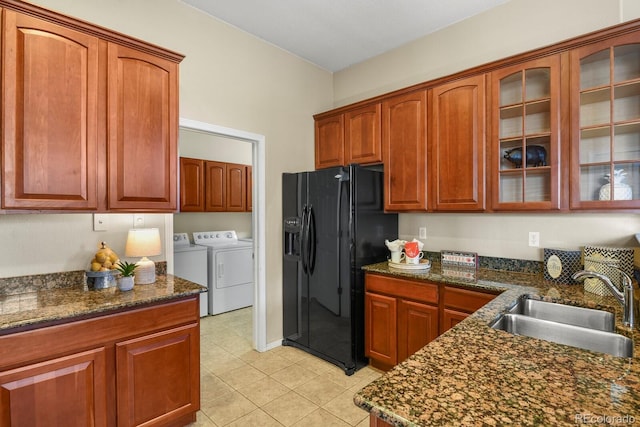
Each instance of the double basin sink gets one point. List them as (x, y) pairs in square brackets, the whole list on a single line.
[(580, 327)]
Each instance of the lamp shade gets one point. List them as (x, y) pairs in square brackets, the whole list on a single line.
[(143, 242)]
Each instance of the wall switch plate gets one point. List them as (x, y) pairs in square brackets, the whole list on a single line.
[(422, 232), (534, 239), (138, 221), (100, 222)]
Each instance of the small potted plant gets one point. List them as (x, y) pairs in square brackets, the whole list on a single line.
[(125, 281)]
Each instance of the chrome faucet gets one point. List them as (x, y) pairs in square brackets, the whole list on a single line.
[(625, 298)]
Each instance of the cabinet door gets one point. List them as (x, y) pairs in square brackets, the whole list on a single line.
[(380, 342), (249, 188), (458, 145), (458, 303), (605, 124), (143, 131), (191, 185), (417, 326), (68, 391), (525, 153), (404, 130), (158, 377), (236, 187), (50, 91), (363, 138), (215, 186), (329, 141), (451, 318)]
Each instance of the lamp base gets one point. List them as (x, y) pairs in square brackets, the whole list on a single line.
[(145, 271)]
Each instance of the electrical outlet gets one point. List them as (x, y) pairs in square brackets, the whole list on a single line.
[(138, 221), (534, 239), (100, 222), (422, 232)]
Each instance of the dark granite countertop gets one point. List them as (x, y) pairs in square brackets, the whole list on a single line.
[(475, 375), (64, 297)]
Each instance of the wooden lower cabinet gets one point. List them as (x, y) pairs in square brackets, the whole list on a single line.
[(417, 326), (134, 368), (381, 314), (458, 304), (401, 317), (144, 368), (66, 391)]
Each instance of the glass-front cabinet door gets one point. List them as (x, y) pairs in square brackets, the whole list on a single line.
[(524, 135), (605, 105)]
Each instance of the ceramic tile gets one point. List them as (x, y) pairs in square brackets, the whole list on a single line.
[(320, 390), (227, 408), (294, 376), (257, 418), (263, 391), (241, 376), (289, 408), (271, 363), (342, 407), (321, 418)]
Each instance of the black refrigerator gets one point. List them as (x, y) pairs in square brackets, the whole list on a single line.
[(334, 223)]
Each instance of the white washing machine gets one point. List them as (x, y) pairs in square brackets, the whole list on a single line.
[(190, 263), (230, 270)]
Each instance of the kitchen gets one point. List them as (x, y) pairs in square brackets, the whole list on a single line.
[(245, 96)]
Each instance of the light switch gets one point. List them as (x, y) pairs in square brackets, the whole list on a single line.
[(100, 222)]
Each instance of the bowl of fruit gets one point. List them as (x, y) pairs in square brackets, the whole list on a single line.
[(102, 273)]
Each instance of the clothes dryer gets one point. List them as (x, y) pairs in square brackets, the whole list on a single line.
[(229, 269)]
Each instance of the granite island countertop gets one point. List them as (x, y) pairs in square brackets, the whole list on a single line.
[(26, 306), (475, 375)]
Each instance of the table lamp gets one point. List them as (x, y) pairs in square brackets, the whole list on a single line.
[(144, 242)]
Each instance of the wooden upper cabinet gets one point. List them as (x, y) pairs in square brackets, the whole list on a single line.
[(605, 124), (249, 188), (329, 141), (215, 186), (363, 137), (457, 145), (143, 130), (191, 185), (525, 130), (236, 187), (50, 92), (404, 144)]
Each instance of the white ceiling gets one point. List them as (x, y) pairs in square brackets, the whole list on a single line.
[(335, 34)]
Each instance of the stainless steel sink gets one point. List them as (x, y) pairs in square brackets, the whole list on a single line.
[(577, 316), (584, 328)]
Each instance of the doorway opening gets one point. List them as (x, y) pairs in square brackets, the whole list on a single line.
[(257, 217)]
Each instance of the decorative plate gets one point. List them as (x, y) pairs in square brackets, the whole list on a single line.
[(425, 264)]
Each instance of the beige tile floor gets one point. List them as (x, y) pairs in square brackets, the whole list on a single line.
[(281, 387)]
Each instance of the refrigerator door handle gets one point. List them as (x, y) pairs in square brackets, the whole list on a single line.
[(304, 235), (311, 218)]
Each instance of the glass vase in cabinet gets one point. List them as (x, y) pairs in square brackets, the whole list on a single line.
[(605, 105), (525, 103)]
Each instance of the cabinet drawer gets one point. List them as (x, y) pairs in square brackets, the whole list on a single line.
[(413, 290), (465, 299)]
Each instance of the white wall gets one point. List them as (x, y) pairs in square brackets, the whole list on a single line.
[(509, 29)]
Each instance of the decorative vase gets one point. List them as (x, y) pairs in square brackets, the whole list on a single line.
[(621, 191), (125, 283)]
